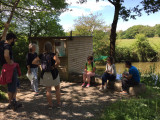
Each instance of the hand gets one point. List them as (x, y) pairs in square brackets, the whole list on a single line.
[(29, 71), (85, 70)]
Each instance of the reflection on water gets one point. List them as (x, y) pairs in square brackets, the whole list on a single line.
[(142, 66)]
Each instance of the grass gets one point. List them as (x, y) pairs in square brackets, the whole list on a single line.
[(127, 43), (143, 107)]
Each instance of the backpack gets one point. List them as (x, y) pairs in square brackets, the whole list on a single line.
[(47, 62), (1, 52)]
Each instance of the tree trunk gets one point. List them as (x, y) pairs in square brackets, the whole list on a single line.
[(9, 19), (113, 29)]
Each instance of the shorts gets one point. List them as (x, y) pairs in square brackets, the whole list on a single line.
[(12, 87)]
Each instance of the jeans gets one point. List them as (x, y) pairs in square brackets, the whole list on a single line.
[(107, 76), (128, 83), (34, 81)]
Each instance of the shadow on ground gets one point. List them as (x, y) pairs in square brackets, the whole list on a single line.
[(79, 103)]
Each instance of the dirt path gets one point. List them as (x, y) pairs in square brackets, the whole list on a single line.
[(80, 103)]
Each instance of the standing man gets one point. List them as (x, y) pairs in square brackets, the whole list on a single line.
[(131, 79), (7, 58)]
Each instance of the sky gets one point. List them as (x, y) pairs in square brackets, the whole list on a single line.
[(107, 12)]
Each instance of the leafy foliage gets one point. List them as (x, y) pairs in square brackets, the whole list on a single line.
[(143, 49), (157, 29), (38, 17), (131, 32)]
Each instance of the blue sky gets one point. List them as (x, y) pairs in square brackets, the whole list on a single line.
[(107, 11)]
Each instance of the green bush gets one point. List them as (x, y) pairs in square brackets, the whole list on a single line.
[(143, 49), (20, 50)]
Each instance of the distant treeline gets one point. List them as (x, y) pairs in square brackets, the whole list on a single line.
[(131, 32)]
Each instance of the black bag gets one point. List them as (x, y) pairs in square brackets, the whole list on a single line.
[(46, 62), (1, 52), (48, 65)]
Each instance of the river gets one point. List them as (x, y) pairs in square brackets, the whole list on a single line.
[(143, 67)]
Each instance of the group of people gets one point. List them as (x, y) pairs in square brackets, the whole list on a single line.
[(48, 62), (129, 79)]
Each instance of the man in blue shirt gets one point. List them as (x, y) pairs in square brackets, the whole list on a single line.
[(131, 79)]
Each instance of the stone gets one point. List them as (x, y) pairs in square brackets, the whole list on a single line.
[(138, 89), (115, 85)]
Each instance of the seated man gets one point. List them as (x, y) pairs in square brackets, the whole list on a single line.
[(131, 79), (89, 71)]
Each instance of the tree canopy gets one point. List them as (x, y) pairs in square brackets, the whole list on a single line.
[(35, 16)]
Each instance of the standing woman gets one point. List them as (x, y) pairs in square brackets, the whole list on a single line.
[(32, 69), (49, 75), (109, 74)]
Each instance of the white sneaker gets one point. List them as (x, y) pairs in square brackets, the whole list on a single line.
[(101, 89)]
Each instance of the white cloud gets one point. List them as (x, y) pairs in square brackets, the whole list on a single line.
[(75, 12), (85, 8)]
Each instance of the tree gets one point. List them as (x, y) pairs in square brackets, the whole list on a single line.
[(131, 32), (157, 29), (120, 11), (86, 25), (93, 25), (143, 49), (28, 9), (149, 6)]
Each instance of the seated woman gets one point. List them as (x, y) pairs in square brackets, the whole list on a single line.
[(109, 74), (89, 71)]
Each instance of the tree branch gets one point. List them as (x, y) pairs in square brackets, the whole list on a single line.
[(111, 2), (20, 7)]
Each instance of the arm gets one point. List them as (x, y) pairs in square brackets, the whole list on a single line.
[(57, 60), (5, 32), (7, 57), (29, 69), (85, 70), (128, 76), (36, 61)]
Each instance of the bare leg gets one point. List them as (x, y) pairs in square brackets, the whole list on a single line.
[(84, 77), (58, 94), (88, 79), (10, 97), (49, 96)]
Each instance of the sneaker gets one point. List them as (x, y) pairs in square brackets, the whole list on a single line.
[(18, 104), (9, 106), (59, 106), (123, 93), (50, 107), (105, 88), (36, 93), (101, 88), (83, 85), (15, 105), (88, 85)]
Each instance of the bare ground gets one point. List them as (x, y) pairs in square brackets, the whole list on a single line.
[(80, 103)]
